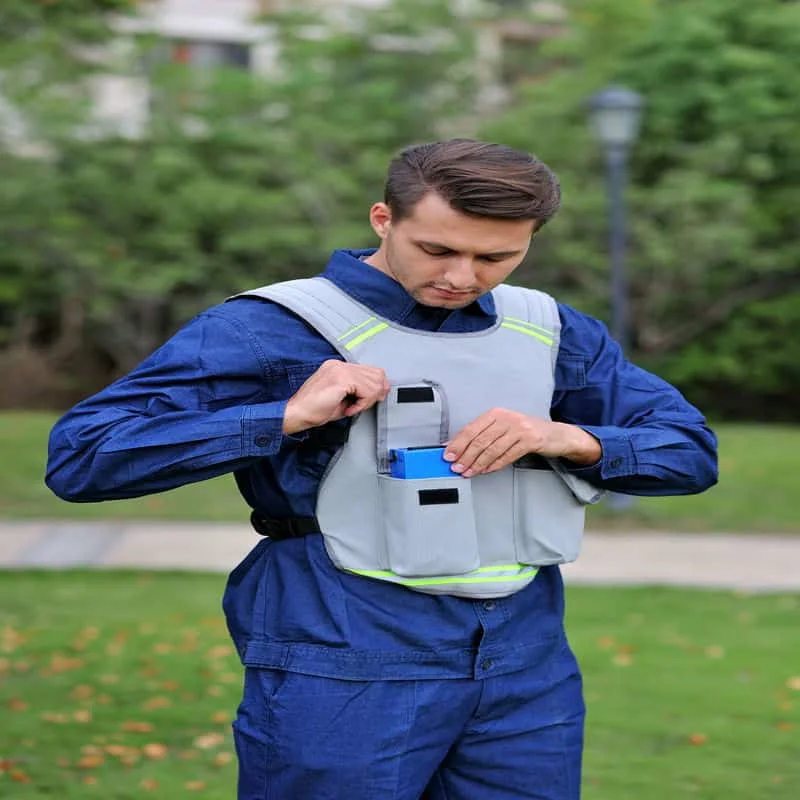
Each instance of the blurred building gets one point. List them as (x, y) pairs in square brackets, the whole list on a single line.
[(237, 33)]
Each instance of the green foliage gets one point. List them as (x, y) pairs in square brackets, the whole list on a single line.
[(111, 243), (715, 284)]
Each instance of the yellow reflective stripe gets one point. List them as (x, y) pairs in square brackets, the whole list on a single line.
[(529, 325), (536, 335), (382, 326), (377, 573), (357, 328)]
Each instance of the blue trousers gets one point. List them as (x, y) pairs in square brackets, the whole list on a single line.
[(301, 737)]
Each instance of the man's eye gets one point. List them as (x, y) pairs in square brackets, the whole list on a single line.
[(436, 252), (493, 259)]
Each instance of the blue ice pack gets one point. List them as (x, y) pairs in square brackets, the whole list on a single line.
[(419, 462)]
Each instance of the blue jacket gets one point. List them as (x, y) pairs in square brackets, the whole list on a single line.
[(211, 401)]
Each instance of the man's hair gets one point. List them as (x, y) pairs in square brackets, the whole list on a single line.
[(476, 178)]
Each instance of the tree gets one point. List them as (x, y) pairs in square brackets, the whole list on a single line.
[(715, 181), (239, 179)]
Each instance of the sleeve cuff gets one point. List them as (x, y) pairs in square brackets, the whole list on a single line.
[(618, 459), (262, 430)]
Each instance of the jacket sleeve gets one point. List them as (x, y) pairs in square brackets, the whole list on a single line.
[(206, 403), (654, 441)]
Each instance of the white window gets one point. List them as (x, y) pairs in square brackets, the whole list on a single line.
[(201, 53)]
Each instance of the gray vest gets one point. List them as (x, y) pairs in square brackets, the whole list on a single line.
[(489, 536)]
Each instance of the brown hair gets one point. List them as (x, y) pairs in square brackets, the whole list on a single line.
[(476, 178)]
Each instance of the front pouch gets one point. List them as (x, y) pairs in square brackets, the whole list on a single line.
[(429, 526), (414, 414), (548, 517)]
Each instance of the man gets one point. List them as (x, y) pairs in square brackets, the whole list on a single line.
[(402, 637)]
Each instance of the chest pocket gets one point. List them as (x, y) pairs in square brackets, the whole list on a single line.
[(571, 372)]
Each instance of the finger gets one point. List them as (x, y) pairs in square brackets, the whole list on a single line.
[(483, 441), (367, 394), (461, 441), (494, 452), (514, 453)]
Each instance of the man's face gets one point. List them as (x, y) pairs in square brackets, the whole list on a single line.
[(444, 258)]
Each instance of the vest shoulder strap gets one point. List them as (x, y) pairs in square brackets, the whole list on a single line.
[(516, 303), (329, 310)]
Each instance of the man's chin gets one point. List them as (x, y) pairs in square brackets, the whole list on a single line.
[(435, 298)]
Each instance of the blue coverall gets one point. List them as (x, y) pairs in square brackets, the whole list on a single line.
[(355, 688)]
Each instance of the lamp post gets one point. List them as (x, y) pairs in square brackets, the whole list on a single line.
[(614, 115)]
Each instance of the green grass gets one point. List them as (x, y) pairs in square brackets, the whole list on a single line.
[(119, 685), (757, 491)]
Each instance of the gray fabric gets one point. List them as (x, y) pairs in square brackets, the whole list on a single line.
[(484, 537)]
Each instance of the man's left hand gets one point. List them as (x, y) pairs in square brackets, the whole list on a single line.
[(500, 437)]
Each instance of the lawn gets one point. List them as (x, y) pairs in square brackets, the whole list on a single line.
[(757, 489), (121, 685)]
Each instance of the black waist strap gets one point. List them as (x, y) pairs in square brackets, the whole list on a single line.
[(288, 528)]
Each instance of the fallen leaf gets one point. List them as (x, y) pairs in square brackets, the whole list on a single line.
[(109, 678), (220, 651), (784, 726), (188, 755), (195, 786), (50, 716), (794, 683), (715, 651), (157, 702), (162, 648), (220, 716), (10, 639), (209, 740), (89, 780), (82, 692), (90, 762), (62, 762), (149, 784), (214, 691), (221, 759), (17, 704), (82, 715), (622, 660), (155, 751), (19, 776), (170, 686), (136, 727), (698, 739), (60, 663)]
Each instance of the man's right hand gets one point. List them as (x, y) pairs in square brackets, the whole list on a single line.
[(336, 390)]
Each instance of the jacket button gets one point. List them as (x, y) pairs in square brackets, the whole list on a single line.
[(487, 664), (616, 463), (490, 605), (262, 441)]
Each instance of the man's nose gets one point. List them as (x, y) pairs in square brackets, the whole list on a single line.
[(460, 273)]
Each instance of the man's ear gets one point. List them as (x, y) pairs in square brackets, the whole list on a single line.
[(380, 218)]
